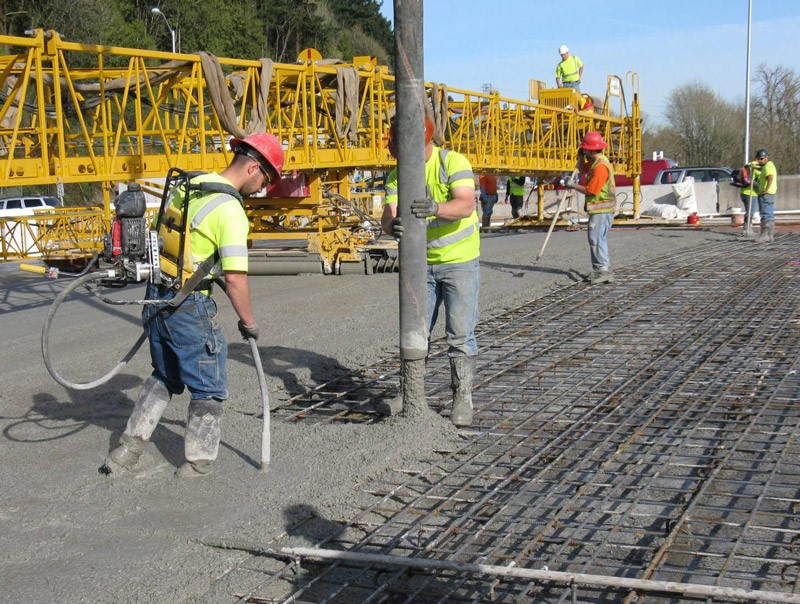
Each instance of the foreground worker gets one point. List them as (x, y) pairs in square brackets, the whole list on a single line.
[(569, 70), (766, 187), (453, 244), (187, 346), (600, 203)]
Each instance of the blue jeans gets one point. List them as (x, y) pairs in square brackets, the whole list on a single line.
[(487, 204), (599, 225), (750, 205), (187, 346), (575, 85), (766, 206), (457, 286)]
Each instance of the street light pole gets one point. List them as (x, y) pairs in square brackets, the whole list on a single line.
[(157, 11)]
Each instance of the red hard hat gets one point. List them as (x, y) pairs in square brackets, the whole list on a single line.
[(393, 133), (268, 146), (593, 141)]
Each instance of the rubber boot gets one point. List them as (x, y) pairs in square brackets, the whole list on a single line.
[(767, 232), (486, 221), (462, 374), (601, 275), (147, 411), (201, 443)]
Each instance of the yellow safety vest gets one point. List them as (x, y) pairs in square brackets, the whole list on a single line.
[(605, 201)]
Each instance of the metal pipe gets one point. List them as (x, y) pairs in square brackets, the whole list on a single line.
[(410, 145), (686, 589)]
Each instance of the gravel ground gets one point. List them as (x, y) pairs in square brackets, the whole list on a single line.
[(68, 534)]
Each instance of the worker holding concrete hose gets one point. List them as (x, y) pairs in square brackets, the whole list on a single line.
[(600, 203), (766, 187), (187, 345), (453, 250)]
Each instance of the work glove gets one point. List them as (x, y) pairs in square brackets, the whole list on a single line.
[(397, 227), (567, 181), (248, 331), (422, 208)]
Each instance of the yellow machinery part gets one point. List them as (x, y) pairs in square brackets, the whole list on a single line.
[(79, 113)]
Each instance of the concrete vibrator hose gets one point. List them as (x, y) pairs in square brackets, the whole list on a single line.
[(87, 281)]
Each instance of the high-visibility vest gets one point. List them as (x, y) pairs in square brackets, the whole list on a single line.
[(515, 188), (605, 201), (448, 241), (569, 69)]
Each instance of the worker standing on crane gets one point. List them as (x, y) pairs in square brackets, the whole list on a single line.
[(766, 187), (187, 345), (569, 70), (600, 203), (453, 244)]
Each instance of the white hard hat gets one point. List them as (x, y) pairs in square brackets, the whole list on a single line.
[(562, 49)]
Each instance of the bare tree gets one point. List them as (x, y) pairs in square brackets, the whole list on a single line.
[(776, 115)]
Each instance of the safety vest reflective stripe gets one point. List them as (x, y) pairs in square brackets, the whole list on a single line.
[(391, 191), (454, 238), (606, 200), (209, 207), (230, 251)]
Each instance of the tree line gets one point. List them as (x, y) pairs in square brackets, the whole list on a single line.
[(238, 29), (704, 129)]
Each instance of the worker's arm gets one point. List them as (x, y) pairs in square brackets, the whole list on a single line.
[(461, 206), (389, 212), (238, 290), (596, 184), (767, 183)]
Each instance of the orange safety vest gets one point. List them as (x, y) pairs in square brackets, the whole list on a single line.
[(605, 201)]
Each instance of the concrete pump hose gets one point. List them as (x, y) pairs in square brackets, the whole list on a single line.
[(46, 338)]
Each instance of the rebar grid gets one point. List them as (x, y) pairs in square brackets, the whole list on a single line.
[(644, 430)]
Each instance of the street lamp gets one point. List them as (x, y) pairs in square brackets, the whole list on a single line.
[(157, 11)]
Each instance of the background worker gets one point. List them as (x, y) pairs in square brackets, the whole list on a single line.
[(749, 198), (187, 346), (600, 203), (569, 70), (766, 187), (515, 194), (488, 187), (453, 251)]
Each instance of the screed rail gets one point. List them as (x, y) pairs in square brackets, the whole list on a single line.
[(648, 431)]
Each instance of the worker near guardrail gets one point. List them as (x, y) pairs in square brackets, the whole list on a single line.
[(569, 70), (488, 186), (600, 203), (749, 198), (453, 251), (766, 187), (187, 345), (515, 194)]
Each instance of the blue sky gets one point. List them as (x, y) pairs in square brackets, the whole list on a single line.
[(505, 43)]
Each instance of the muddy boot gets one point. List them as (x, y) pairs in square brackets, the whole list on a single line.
[(486, 221), (392, 406), (417, 402), (767, 232), (601, 275), (201, 443), (462, 373), (147, 411)]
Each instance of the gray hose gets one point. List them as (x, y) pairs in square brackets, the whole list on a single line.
[(46, 337)]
